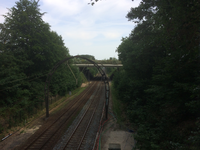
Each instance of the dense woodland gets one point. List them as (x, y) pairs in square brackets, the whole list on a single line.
[(160, 82), (28, 50)]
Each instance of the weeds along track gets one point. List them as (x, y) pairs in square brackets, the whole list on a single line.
[(80, 135), (47, 136)]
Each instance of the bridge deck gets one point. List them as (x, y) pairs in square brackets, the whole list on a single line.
[(103, 65)]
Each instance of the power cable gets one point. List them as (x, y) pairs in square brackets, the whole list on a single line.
[(18, 80), (21, 84), (37, 76), (10, 87), (72, 72)]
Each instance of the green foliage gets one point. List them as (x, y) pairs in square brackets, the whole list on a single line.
[(83, 78), (64, 81), (83, 61), (88, 57), (110, 71), (160, 81), (93, 71), (28, 50), (111, 60)]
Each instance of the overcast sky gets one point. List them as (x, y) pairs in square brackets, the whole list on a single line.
[(95, 30)]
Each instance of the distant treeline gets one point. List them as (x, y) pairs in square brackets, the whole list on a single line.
[(111, 60), (160, 82), (94, 70)]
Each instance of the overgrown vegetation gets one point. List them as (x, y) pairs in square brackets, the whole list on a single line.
[(117, 105), (111, 60), (93, 70), (28, 50), (161, 76)]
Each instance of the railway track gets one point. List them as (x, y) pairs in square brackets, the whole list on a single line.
[(48, 135), (83, 134)]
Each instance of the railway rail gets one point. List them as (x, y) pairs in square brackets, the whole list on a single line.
[(48, 135), (79, 137)]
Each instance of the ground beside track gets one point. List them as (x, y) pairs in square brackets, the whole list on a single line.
[(25, 132), (115, 134), (112, 133)]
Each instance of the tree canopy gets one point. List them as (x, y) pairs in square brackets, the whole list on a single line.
[(28, 50), (160, 81)]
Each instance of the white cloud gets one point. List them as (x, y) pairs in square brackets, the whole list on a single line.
[(87, 43), (63, 7), (86, 28), (80, 34), (87, 22), (3, 11), (95, 30), (112, 35)]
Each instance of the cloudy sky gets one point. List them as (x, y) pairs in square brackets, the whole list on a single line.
[(95, 30)]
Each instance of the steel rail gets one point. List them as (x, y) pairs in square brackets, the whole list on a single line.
[(79, 123), (67, 119), (89, 123), (71, 105), (48, 81)]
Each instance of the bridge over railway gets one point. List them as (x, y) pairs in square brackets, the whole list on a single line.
[(103, 65)]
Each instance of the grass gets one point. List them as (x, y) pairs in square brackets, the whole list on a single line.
[(22, 131), (117, 105), (62, 102), (119, 110)]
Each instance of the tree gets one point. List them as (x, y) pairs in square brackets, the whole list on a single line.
[(161, 60), (28, 50)]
